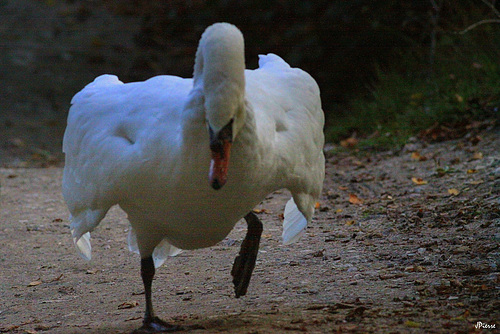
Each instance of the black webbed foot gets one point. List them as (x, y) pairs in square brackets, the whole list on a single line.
[(245, 262)]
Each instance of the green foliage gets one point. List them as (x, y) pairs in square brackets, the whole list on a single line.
[(462, 85)]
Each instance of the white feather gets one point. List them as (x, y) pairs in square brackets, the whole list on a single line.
[(83, 246), (294, 223)]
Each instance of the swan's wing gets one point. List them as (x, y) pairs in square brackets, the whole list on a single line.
[(287, 107), (113, 129)]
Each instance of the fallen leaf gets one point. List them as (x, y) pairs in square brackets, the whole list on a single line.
[(260, 211), (453, 191), (35, 283), (58, 278), (416, 156), (412, 324), (349, 142), (353, 199), (414, 268), (317, 205), (471, 171), (339, 210), (459, 98), (343, 188), (477, 156), (350, 222), (418, 181), (126, 305)]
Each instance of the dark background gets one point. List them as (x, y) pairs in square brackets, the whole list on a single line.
[(50, 49)]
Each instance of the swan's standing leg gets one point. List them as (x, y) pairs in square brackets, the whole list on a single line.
[(151, 324), (245, 261)]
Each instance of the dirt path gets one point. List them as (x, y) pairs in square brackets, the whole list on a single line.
[(383, 254)]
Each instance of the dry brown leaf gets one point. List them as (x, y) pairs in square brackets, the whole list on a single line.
[(343, 188), (317, 205), (35, 283), (414, 268), (349, 142), (453, 191), (130, 304), (477, 156), (339, 210), (353, 199), (350, 222), (471, 171), (416, 156), (418, 181), (260, 211)]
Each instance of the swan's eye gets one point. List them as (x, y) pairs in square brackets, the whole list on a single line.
[(224, 134)]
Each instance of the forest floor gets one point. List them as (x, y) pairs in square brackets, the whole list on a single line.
[(402, 242)]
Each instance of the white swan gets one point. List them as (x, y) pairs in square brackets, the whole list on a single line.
[(150, 146)]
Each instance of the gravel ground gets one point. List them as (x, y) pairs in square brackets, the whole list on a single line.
[(403, 242)]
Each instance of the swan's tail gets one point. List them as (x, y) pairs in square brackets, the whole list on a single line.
[(294, 223), (81, 224), (83, 246)]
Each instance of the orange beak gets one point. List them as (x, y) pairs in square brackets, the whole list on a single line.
[(220, 147), (217, 174)]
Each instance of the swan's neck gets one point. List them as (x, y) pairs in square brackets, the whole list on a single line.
[(219, 74)]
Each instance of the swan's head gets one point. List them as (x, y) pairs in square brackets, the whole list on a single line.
[(220, 72), (223, 130)]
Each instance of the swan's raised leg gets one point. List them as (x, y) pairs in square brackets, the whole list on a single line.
[(151, 323), (245, 261)]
